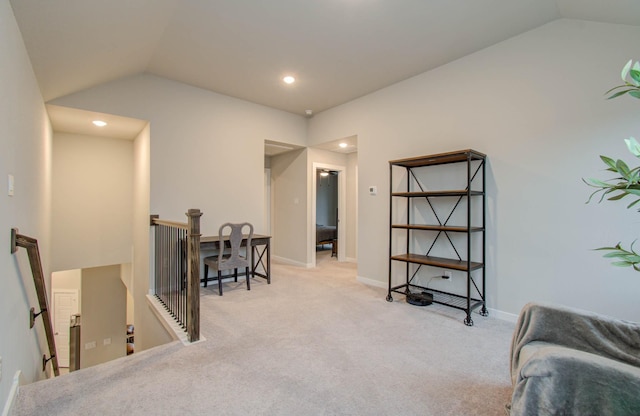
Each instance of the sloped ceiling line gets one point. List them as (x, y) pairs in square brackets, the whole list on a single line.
[(339, 50)]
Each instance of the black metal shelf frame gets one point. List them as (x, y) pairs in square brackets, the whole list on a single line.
[(473, 197)]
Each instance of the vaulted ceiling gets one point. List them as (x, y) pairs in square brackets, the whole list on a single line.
[(338, 50)]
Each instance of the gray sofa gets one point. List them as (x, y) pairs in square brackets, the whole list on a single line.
[(566, 361)]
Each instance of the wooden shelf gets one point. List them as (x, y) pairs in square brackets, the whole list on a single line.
[(403, 216), (439, 159), (437, 262), (447, 228)]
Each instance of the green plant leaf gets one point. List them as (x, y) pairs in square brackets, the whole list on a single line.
[(607, 248), (626, 258), (617, 197), (620, 264), (633, 146), (622, 168), (592, 195), (596, 182), (619, 93), (633, 203), (635, 76), (635, 93), (625, 70), (625, 85), (608, 161)]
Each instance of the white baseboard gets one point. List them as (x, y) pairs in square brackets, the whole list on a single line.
[(291, 262), (498, 314), (13, 393), (371, 282), (505, 316)]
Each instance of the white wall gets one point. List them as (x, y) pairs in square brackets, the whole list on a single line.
[(91, 201), (291, 207), (149, 332), (103, 315), (207, 150), (534, 104), (26, 147)]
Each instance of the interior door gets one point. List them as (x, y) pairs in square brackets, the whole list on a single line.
[(65, 304)]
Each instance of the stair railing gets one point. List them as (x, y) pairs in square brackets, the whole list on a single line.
[(31, 244), (177, 270)]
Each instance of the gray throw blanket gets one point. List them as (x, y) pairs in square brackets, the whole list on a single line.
[(566, 361)]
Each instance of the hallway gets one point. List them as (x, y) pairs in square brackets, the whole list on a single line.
[(315, 341)]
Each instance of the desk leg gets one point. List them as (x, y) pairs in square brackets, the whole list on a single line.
[(257, 259), (269, 261)]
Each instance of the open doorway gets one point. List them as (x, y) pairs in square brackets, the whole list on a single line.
[(327, 210), (326, 213), (96, 297)]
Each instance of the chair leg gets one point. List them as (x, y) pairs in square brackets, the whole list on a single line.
[(220, 282), (235, 274), (206, 274), (248, 278)]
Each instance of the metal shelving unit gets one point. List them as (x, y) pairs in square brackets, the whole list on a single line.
[(471, 262)]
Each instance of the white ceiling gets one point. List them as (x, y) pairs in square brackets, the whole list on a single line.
[(338, 49)]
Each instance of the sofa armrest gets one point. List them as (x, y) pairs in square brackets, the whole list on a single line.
[(575, 329), (556, 380)]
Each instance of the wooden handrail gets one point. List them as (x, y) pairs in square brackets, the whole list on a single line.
[(31, 245), (175, 224)]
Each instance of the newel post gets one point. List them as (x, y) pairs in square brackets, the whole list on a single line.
[(193, 275)]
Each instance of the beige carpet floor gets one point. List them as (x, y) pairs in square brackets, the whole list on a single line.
[(314, 342)]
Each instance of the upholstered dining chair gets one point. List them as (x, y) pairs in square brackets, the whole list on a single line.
[(232, 260)]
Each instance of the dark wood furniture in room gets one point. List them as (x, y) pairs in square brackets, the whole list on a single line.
[(428, 220), (260, 254)]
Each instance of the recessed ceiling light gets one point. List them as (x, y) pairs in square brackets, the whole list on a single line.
[(289, 79), (343, 145), (99, 123)]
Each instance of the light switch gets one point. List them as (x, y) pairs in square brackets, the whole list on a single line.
[(90, 345), (10, 187), (373, 190)]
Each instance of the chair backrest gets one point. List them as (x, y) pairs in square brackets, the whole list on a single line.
[(235, 239)]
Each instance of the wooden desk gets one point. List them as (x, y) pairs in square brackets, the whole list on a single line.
[(260, 253)]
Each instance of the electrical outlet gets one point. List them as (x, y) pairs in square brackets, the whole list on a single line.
[(446, 275), (106, 341)]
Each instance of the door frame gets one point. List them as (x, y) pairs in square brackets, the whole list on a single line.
[(267, 201), (54, 292)]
